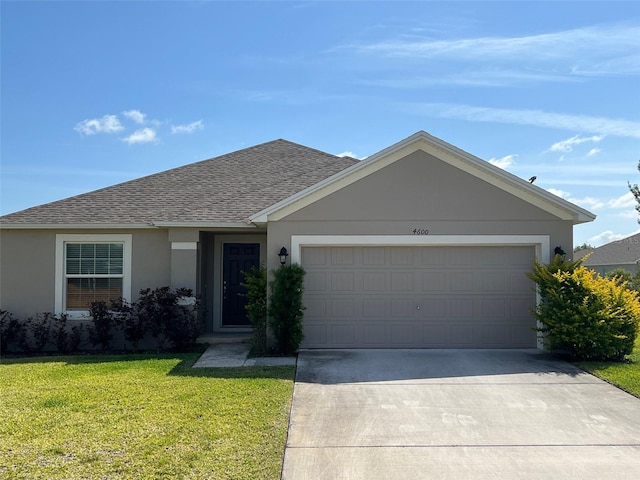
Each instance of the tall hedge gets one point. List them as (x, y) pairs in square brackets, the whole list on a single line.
[(583, 314), (286, 309), (255, 281)]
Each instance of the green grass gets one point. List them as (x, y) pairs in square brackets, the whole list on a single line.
[(141, 417), (625, 375)]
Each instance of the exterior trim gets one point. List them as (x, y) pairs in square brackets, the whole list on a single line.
[(443, 151), (74, 226), (62, 238), (541, 242), (184, 245), (203, 225)]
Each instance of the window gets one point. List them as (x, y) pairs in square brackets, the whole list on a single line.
[(91, 268)]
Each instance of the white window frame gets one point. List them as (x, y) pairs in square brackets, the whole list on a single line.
[(60, 282)]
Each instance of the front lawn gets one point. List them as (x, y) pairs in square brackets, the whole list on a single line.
[(127, 417), (624, 375)]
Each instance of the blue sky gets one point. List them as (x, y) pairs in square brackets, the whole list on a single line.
[(97, 93)]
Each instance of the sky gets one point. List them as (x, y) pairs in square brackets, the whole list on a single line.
[(98, 93)]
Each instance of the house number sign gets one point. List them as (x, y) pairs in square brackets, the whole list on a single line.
[(420, 231)]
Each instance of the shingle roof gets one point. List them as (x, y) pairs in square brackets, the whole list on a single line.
[(225, 189), (620, 252)]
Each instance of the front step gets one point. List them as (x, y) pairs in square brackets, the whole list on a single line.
[(224, 337)]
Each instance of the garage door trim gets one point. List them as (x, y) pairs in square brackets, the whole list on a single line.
[(541, 243)]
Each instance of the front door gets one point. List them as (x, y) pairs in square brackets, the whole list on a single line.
[(237, 258)]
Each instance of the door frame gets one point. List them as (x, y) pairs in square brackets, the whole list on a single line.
[(219, 241)]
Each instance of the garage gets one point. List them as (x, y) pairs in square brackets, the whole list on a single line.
[(408, 296)]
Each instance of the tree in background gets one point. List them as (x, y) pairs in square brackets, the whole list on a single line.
[(636, 193)]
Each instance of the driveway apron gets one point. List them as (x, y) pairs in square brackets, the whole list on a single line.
[(456, 414)]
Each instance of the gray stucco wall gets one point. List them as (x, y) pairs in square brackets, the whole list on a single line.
[(27, 276), (419, 192)]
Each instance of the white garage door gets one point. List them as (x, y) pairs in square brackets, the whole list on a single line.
[(418, 297)]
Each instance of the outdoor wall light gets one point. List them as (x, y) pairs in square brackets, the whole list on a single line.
[(558, 251), (283, 255)]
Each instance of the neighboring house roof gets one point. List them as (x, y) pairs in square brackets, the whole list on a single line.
[(224, 190), (444, 151), (620, 252)]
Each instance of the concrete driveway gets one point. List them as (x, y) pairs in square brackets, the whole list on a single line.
[(456, 414)]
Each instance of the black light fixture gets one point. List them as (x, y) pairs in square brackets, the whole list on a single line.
[(558, 251), (283, 255)]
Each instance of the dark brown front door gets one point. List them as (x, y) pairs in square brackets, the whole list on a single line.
[(237, 258)]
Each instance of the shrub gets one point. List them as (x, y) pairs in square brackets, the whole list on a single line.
[(622, 276), (183, 327), (60, 334), (255, 281), (103, 323), (286, 309), (584, 314), (41, 325), (11, 329), (169, 316), (133, 325), (165, 315)]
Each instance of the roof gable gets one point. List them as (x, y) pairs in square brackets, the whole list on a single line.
[(224, 191), (443, 151)]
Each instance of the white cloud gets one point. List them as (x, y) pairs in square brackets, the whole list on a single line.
[(135, 115), (559, 193), (605, 237), (145, 135), (610, 50), (624, 201), (190, 128), (106, 124), (504, 162), (350, 154), (593, 151), (539, 118), (568, 144), (628, 214)]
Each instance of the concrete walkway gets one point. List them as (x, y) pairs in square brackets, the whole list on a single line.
[(235, 354), (454, 414)]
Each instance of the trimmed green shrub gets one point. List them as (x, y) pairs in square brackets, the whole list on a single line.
[(583, 314), (255, 281), (286, 309), (102, 326), (11, 329), (165, 316)]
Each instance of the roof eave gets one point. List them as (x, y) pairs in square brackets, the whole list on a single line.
[(73, 226), (517, 186)]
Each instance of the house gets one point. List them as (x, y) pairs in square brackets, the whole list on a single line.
[(624, 253), (421, 245)]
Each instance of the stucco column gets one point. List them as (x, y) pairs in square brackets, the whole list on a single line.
[(184, 265)]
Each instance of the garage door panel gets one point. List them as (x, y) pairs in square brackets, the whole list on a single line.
[(402, 307), (434, 282), (460, 281), (315, 281), (495, 307), (314, 257), (402, 281), (342, 255), (343, 281), (519, 283), (494, 281), (419, 297), (374, 307)]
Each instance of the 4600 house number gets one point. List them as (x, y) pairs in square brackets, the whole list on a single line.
[(420, 231)]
